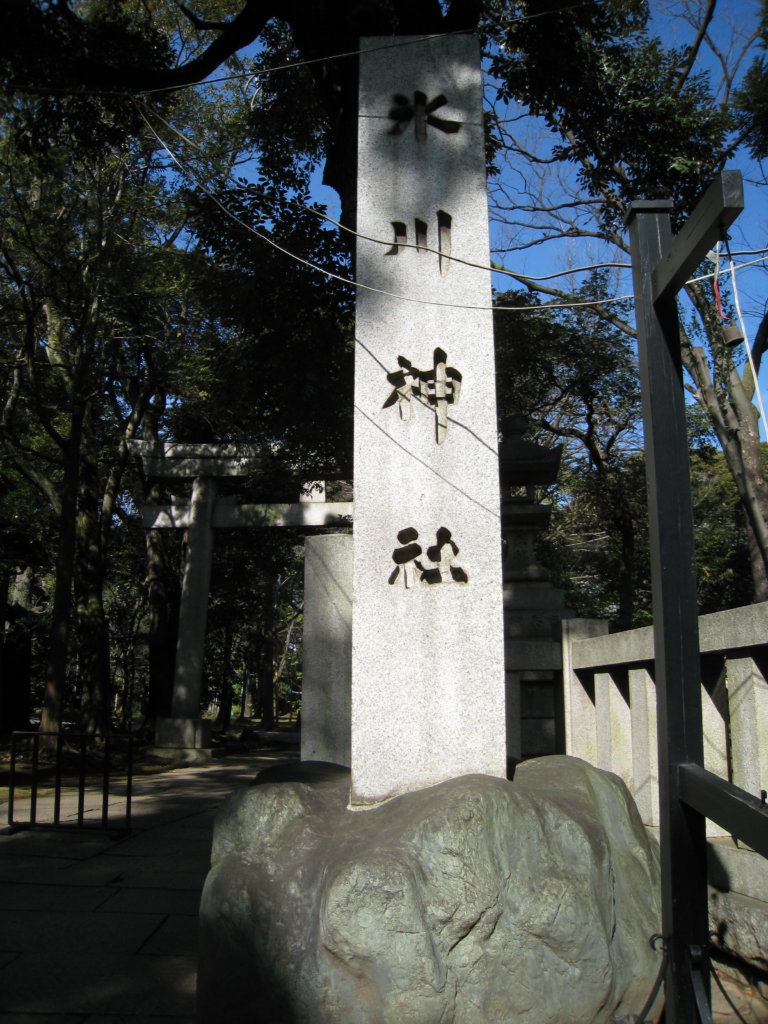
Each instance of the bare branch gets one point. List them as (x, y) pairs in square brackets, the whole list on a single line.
[(693, 49)]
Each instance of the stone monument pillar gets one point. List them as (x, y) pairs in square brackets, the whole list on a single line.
[(427, 658), (315, 910)]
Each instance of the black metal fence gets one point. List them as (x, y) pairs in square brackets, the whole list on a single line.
[(85, 763)]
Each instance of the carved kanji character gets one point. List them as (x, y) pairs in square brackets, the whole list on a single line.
[(406, 558), (443, 555), (421, 113), (437, 388)]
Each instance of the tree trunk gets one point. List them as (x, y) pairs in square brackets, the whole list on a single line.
[(16, 660), (755, 497), (91, 621), (163, 596), (225, 699), (266, 703), (244, 694), (734, 419), (625, 524), (56, 669)]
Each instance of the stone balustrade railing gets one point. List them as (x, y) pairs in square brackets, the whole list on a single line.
[(610, 701)]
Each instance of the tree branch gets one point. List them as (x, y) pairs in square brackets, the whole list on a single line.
[(693, 49)]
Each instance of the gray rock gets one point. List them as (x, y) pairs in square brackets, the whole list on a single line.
[(473, 902), (741, 924)]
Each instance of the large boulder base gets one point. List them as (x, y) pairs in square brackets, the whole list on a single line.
[(473, 902)]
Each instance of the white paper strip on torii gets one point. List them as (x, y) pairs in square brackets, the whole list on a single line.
[(428, 664)]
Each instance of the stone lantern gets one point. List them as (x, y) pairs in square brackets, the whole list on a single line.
[(533, 606)]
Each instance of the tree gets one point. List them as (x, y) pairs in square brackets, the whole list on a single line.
[(96, 301), (575, 379), (129, 310), (61, 258), (627, 118), (752, 98), (93, 358), (326, 33), (25, 560)]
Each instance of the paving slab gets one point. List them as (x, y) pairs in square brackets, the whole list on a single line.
[(165, 840), (21, 869), (97, 1018), (103, 983), (36, 898), (176, 936), (104, 926), (77, 844), (157, 873), (58, 931), (45, 1018), (153, 901)]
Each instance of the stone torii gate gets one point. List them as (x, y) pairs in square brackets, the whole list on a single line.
[(185, 736)]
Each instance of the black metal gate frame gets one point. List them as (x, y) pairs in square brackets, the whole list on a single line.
[(76, 743), (688, 793)]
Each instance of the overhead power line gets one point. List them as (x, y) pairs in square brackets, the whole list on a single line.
[(359, 284), (492, 269)]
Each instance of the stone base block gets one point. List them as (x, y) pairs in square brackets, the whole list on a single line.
[(738, 907), (477, 900), (186, 740)]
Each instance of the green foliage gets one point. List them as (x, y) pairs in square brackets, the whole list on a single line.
[(625, 114), (576, 380), (49, 51), (752, 98), (722, 552), (585, 550), (131, 305)]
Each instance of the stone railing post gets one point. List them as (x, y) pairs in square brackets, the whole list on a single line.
[(579, 702), (645, 755), (613, 721), (748, 707)]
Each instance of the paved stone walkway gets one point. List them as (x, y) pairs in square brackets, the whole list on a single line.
[(100, 930)]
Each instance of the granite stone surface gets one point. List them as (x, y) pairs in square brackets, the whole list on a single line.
[(477, 900), (427, 660), (327, 666)]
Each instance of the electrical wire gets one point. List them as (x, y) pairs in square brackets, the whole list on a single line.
[(541, 308), (359, 284), (250, 75), (493, 268), (715, 283)]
